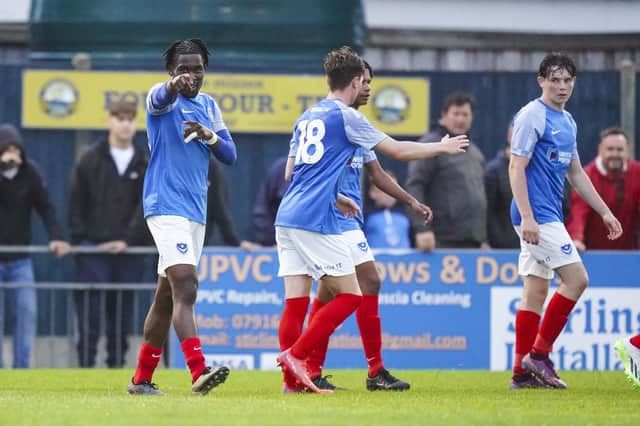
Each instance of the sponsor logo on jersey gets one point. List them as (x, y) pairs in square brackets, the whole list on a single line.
[(556, 156), (356, 162)]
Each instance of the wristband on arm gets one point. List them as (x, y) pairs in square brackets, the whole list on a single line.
[(213, 140)]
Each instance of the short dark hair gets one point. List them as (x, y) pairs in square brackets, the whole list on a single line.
[(368, 67), (185, 47), (613, 130), (123, 107), (457, 99), (341, 66), (556, 61)]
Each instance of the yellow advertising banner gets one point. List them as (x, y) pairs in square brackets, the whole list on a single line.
[(250, 103)]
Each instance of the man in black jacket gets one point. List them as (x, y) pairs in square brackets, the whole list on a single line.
[(21, 191), (218, 213), (452, 185), (106, 212), (500, 231), (267, 202)]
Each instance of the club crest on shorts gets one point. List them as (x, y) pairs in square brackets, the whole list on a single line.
[(363, 246), (182, 247), (566, 248)]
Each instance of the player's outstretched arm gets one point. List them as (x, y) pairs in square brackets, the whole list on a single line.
[(580, 181), (518, 180), (382, 180), (220, 142), (160, 98), (407, 150)]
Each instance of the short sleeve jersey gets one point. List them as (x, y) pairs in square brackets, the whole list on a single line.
[(325, 138), (351, 187), (547, 137), (176, 180)]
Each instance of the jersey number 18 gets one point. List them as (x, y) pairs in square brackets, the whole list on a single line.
[(310, 147)]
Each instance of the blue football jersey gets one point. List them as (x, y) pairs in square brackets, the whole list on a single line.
[(350, 186), (547, 137), (176, 180), (324, 139)]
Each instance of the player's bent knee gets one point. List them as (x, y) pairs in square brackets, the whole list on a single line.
[(164, 303), (582, 283), (371, 285), (186, 295), (368, 278), (533, 299), (579, 281)]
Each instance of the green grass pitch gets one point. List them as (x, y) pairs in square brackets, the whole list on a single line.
[(97, 397)]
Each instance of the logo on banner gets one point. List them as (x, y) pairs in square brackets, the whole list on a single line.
[(233, 361), (566, 248), (391, 105), (58, 98), (182, 247)]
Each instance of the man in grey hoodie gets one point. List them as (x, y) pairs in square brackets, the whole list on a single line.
[(452, 185)]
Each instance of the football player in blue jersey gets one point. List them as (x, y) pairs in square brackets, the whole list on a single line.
[(183, 127), (544, 153), (308, 234), (367, 314)]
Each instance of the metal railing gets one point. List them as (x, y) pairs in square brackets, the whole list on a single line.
[(69, 304)]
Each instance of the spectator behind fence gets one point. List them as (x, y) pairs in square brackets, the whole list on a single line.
[(21, 191), (453, 185), (218, 213), (617, 180), (386, 225), (267, 201), (496, 182), (106, 213)]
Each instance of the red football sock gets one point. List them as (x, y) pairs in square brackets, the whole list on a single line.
[(324, 323), (526, 330), (371, 332), (290, 328), (635, 341), (192, 349), (315, 307), (316, 358), (148, 360), (555, 318)]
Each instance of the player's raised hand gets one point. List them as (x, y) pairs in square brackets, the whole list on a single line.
[(180, 83), (530, 231), (422, 210), (347, 206), (454, 145), (195, 130), (613, 225)]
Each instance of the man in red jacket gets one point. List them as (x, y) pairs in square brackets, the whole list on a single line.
[(617, 180)]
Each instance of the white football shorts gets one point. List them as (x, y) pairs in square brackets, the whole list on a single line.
[(302, 252), (555, 249), (358, 246), (178, 239)]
